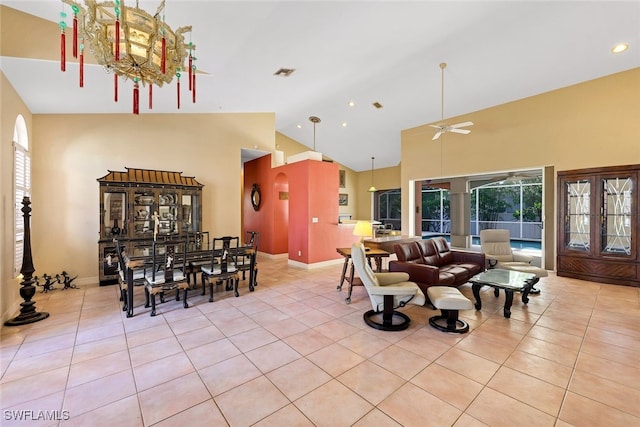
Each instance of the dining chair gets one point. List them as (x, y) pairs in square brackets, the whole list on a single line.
[(166, 272), (136, 277), (223, 267), (250, 253)]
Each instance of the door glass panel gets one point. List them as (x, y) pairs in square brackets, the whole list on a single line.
[(577, 220), (616, 215)]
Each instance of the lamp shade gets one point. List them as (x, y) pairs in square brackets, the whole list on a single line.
[(362, 229)]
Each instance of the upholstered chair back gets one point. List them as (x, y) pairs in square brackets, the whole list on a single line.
[(365, 272), (496, 243)]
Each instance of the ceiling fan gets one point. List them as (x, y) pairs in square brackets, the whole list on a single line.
[(508, 179), (442, 127)]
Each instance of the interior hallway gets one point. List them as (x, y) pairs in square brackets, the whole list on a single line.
[(293, 353)]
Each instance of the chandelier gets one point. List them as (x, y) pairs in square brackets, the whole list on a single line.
[(131, 44), (373, 188)]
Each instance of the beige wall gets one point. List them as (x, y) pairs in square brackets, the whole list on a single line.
[(383, 179), (595, 123)]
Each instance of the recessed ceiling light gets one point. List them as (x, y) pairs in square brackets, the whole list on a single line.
[(351, 104), (620, 47), (299, 126), (377, 105), (344, 124)]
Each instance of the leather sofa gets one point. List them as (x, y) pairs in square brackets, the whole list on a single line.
[(432, 262)]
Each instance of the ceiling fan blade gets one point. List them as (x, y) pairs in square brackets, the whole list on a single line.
[(439, 127), (461, 125), (463, 131), (437, 135)]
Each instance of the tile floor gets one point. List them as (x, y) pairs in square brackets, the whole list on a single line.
[(294, 354)]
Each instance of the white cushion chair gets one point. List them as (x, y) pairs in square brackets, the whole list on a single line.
[(387, 292), (496, 246)]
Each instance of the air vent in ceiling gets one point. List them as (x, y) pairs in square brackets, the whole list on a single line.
[(377, 105), (284, 72)]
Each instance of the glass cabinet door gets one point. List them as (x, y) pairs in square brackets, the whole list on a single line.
[(168, 213), (190, 213), (115, 210), (616, 219), (577, 221), (143, 213)]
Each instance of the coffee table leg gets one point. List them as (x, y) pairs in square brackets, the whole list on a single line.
[(476, 294), (508, 300), (525, 293)]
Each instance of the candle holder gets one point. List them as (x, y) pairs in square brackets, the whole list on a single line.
[(28, 313)]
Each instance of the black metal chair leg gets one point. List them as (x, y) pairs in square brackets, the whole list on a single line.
[(184, 299)]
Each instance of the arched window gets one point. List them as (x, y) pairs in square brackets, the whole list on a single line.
[(21, 185)]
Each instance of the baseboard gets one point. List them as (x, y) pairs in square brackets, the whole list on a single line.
[(315, 265)]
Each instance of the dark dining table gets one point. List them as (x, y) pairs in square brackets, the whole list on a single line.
[(191, 263)]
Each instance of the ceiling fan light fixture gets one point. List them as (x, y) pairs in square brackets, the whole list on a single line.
[(442, 126)]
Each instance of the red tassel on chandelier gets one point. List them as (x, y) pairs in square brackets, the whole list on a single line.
[(163, 62), (75, 36), (178, 86), (150, 96), (63, 42), (81, 67), (118, 39), (193, 92), (63, 58), (115, 88), (190, 70), (136, 98)]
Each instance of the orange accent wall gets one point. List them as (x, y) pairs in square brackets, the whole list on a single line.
[(309, 190)]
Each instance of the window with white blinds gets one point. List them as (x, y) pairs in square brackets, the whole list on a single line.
[(22, 188)]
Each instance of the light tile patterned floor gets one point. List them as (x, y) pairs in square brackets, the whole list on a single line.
[(292, 353)]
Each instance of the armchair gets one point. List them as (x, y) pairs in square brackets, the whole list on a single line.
[(496, 246), (387, 292)]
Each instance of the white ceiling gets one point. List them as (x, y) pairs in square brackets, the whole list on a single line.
[(364, 51)]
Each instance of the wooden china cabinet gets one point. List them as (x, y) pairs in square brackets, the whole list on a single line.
[(138, 203), (599, 210)]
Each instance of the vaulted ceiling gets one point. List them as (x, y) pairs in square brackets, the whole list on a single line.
[(362, 51)]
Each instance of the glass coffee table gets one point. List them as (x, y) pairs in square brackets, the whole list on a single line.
[(509, 280)]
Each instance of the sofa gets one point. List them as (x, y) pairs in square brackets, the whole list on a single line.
[(432, 262)]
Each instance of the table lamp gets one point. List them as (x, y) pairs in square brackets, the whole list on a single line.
[(362, 230)]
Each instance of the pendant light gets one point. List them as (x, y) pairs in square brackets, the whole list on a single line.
[(314, 120), (373, 188)]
